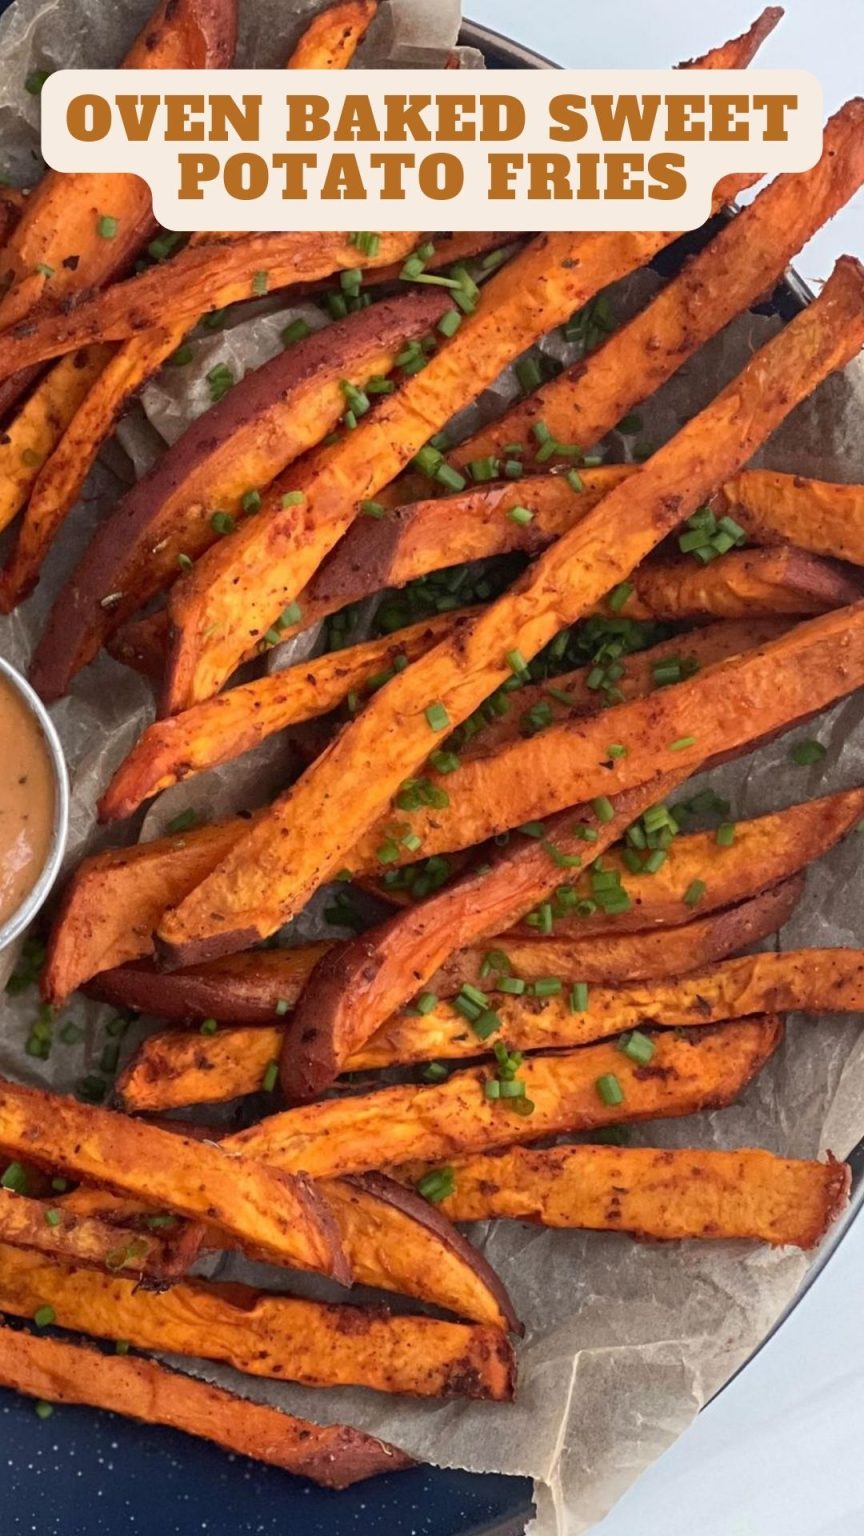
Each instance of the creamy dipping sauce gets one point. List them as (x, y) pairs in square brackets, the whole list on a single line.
[(27, 801)]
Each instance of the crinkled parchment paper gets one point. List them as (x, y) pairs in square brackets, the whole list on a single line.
[(625, 1341)]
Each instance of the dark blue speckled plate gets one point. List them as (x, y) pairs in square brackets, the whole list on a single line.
[(81, 1473)]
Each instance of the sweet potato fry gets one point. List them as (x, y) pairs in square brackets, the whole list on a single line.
[(525, 777), (653, 1193), (378, 973), (197, 279), (307, 834), (59, 1372), (115, 899), (284, 408), (260, 986), (392, 1238), (697, 649), (743, 261), (265, 572), (58, 249), (333, 36), (814, 514), (423, 536), (33, 434), (59, 483), (89, 1241), (175, 1069), (262, 1334), (281, 1217), (745, 583), (234, 722), (806, 981), (252, 988), (705, 1069), (738, 52), (396, 1241)]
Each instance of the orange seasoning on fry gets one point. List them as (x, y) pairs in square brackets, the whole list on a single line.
[(27, 801)]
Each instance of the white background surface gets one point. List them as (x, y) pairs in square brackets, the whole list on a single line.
[(779, 1453)]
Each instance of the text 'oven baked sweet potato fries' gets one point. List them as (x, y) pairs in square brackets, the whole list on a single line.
[(272, 871), (651, 1192), (55, 1371)]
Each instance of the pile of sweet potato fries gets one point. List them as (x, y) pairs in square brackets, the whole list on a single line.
[(502, 762)]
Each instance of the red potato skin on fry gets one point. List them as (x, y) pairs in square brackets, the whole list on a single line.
[(122, 560)]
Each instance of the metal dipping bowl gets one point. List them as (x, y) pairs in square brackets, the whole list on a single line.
[(23, 916)]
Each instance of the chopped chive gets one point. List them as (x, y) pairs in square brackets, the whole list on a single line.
[(444, 762), (619, 595), (603, 808), (579, 997), (517, 663), (574, 480), (43, 1410), (107, 226), (725, 835), (208, 1026), (694, 893), (372, 509), (292, 499), (547, 986), (630, 425), (295, 330), (637, 1046), (52, 1218), (185, 562), (282, 1007), (807, 753), (182, 822), (271, 1077), (609, 1089), (616, 750), (251, 501), (682, 743), (426, 1002), (529, 375), (450, 322), (222, 522), (43, 1317), (520, 515), (434, 1072), (437, 717), (220, 379), (15, 1178), (492, 1088), (437, 1184), (35, 81), (259, 284)]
